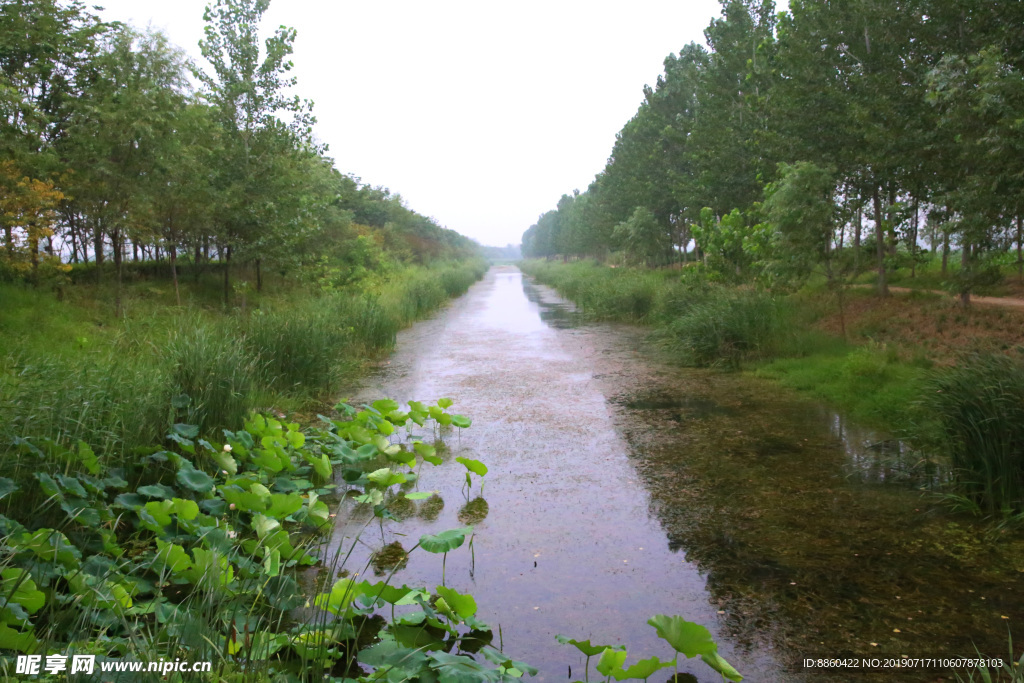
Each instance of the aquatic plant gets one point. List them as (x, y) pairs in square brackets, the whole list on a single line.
[(300, 350), (685, 637), (215, 375), (191, 552), (112, 401)]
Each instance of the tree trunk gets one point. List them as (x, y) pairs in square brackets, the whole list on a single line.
[(883, 286), (945, 251), (913, 243), (259, 277), (893, 242), (227, 280), (1020, 260), (74, 241), (173, 249), (842, 310), (965, 264), (33, 252), (115, 237), (857, 229), (98, 249)]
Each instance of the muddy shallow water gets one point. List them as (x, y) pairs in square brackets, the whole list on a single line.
[(621, 487)]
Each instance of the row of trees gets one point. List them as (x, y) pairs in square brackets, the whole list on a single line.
[(888, 123), (113, 143)]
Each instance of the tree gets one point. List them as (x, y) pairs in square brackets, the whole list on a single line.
[(27, 215), (248, 90), (979, 99), (642, 238), (802, 209), (117, 131), (44, 46)]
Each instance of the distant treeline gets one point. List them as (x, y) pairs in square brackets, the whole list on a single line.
[(856, 127), (110, 152), (509, 252)]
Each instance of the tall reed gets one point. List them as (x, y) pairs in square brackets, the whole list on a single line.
[(302, 349), (980, 408), (727, 327), (218, 374), (115, 402)]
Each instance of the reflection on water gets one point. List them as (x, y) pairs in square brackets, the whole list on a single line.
[(876, 459), (552, 309), (621, 487)]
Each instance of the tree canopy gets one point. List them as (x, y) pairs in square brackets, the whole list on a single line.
[(908, 111), (117, 147)]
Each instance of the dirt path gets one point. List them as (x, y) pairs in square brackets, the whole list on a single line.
[(1001, 301)]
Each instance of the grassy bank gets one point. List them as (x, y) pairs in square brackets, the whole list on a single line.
[(895, 357), (72, 370)]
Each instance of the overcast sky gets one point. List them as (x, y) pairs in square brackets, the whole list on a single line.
[(480, 114)]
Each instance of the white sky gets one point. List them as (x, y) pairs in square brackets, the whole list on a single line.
[(480, 114)]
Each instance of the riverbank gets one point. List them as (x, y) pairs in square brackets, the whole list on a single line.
[(75, 370), (876, 360), (889, 343)]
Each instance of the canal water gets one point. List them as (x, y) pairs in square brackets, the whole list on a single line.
[(621, 487)]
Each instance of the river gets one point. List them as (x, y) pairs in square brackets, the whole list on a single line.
[(621, 487)]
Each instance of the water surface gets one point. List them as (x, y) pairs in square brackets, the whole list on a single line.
[(621, 487)]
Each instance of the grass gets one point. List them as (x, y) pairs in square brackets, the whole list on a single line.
[(726, 327), (214, 377), (300, 352), (870, 383), (702, 324), (111, 401), (604, 293)]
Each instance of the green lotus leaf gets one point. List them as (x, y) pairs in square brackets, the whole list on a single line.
[(716, 662), (684, 636), (195, 480), (474, 466), (445, 541)]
